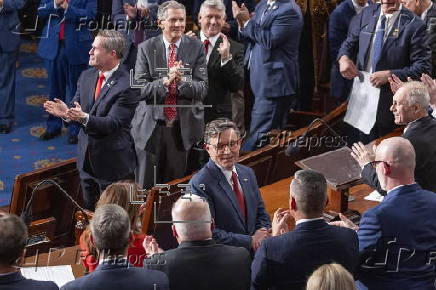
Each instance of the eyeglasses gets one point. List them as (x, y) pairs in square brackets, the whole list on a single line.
[(375, 162), (233, 145)]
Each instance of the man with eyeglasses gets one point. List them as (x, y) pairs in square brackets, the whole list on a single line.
[(409, 107), (231, 189), (397, 237)]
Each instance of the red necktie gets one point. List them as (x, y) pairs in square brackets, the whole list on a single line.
[(206, 45), (170, 111), (239, 195), (98, 86), (62, 28)]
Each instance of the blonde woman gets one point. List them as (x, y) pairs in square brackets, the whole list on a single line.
[(331, 277)]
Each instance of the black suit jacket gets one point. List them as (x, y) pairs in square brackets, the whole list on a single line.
[(200, 265), (422, 134), (16, 281), (286, 261), (223, 80), (106, 149), (430, 20)]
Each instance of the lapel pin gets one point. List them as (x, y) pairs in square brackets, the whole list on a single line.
[(396, 32), (245, 179), (275, 7)]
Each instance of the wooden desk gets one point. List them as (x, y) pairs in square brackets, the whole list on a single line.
[(67, 256)]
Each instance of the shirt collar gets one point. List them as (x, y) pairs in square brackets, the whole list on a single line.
[(212, 39), (270, 3), (410, 123), (424, 14), (300, 221), (357, 7), (399, 186), (227, 173), (108, 74), (392, 15), (167, 43)]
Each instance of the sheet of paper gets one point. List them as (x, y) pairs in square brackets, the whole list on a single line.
[(374, 196), (61, 275), (362, 104)]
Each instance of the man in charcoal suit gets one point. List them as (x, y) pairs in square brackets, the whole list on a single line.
[(10, 37), (171, 70), (104, 106)]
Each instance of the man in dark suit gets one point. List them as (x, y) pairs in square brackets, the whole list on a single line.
[(13, 238), (171, 69), (224, 57), (339, 22), (409, 107), (198, 262), (385, 39), (286, 260), (111, 235), (104, 106), (231, 189), (273, 38), (397, 237), (65, 42), (426, 9), (8, 57)]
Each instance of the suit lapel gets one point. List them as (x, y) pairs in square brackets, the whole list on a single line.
[(104, 91), (250, 203), (215, 55), (401, 22), (88, 101), (181, 51), (267, 18)]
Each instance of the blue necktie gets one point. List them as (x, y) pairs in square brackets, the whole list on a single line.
[(265, 12), (378, 42)]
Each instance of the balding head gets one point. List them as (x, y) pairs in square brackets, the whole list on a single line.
[(395, 162), (191, 218)]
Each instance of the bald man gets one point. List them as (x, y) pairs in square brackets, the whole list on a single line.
[(397, 237), (199, 262)]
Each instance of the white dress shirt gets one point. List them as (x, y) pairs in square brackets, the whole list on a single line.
[(424, 14), (300, 221), (228, 176)]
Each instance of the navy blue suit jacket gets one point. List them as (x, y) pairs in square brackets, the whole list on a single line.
[(273, 45), (16, 281), (117, 277), (231, 229), (396, 241), (338, 29), (405, 52), (9, 25), (286, 261), (106, 138), (78, 36)]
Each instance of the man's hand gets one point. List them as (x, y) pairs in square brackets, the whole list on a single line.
[(56, 108), (151, 246), (224, 49), (174, 74), (347, 68), (76, 113), (190, 34), (241, 14), (130, 10), (280, 222), (361, 154), (395, 83), (345, 223), (258, 237), (380, 78), (431, 85)]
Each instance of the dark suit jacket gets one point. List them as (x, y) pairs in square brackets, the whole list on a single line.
[(10, 25), (430, 21), (286, 261), (106, 139), (200, 265), (273, 44), (78, 35), (231, 229), (405, 53), (397, 239), (16, 281), (223, 80), (191, 93), (422, 134), (117, 277)]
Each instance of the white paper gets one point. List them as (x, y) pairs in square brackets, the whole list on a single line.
[(61, 275), (374, 196), (362, 105)]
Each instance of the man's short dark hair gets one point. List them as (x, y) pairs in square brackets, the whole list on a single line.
[(13, 237), (216, 127), (309, 189)]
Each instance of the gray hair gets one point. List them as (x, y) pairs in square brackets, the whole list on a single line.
[(417, 94), (214, 4), (13, 237), (110, 228), (191, 217), (216, 127), (113, 40), (162, 11), (309, 188)]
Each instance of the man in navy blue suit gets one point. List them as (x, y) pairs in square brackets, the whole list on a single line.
[(273, 38), (231, 189), (339, 23), (13, 238), (65, 42), (10, 40), (385, 39), (397, 238), (286, 260), (111, 235)]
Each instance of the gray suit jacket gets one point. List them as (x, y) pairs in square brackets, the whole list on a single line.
[(191, 93)]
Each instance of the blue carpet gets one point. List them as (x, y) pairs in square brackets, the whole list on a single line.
[(22, 151)]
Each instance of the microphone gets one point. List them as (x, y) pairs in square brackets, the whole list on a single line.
[(294, 147)]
